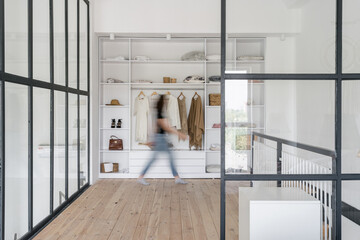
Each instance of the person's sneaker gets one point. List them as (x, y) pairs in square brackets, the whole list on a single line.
[(143, 182), (180, 181)]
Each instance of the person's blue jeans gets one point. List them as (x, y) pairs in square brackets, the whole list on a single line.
[(161, 145)]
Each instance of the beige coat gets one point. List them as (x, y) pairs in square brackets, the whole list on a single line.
[(196, 123), (183, 115)]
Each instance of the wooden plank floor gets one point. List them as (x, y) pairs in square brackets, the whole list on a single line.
[(123, 209)]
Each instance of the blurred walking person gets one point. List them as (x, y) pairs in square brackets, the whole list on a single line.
[(161, 143)]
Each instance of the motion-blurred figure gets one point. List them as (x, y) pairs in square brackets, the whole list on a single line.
[(161, 143)]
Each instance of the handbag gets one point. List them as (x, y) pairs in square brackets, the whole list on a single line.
[(115, 143)]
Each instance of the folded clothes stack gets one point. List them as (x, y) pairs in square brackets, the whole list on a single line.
[(215, 147), (194, 79), (113, 80), (141, 58), (143, 81), (251, 58), (118, 58), (194, 56), (213, 57), (215, 78)]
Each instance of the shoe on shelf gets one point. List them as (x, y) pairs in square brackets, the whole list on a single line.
[(143, 182), (180, 181)]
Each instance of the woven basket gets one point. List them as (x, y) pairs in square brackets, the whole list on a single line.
[(166, 79), (215, 99), (115, 168)]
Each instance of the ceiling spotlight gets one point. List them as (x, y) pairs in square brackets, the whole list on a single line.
[(168, 36), (112, 36)]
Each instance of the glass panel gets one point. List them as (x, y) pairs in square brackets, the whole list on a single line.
[(59, 148), (59, 41), (351, 37), (299, 111), (16, 37), (83, 140), (41, 40), (73, 143), (351, 127), (72, 16), (41, 154), (83, 45), (294, 38), (16, 158), (350, 210), (295, 210)]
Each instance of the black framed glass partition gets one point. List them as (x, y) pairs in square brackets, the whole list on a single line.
[(290, 119), (44, 109)]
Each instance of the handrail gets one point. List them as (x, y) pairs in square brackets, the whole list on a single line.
[(348, 211), (322, 151)]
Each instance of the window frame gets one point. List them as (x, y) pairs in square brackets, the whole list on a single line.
[(30, 82), (337, 176)]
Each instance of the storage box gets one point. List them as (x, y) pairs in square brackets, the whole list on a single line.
[(108, 167), (166, 79), (215, 99)]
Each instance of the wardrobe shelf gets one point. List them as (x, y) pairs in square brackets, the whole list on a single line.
[(248, 128), (175, 150), (238, 61), (114, 151), (213, 107), (167, 86), (165, 61), (105, 106), (211, 151), (117, 129), (119, 84), (213, 129), (114, 61)]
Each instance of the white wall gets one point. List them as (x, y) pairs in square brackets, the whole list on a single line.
[(188, 16)]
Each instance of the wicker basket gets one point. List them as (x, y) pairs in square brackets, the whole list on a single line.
[(215, 99), (166, 79), (115, 168)]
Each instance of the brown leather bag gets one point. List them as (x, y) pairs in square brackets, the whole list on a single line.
[(115, 143)]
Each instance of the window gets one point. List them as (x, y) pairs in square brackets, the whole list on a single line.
[(44, 111), (290, 123)]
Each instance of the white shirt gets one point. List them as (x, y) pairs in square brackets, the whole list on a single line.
[(172, 112), (141, 111)]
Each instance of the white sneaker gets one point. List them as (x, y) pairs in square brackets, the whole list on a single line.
[(180, 181), (143, 182)]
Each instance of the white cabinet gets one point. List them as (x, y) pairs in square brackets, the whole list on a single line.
[(267, 213)]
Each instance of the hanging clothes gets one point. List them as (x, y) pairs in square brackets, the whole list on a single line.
[(152, 116), (196, 123), (141, 111), (183, 115), (172, 112)]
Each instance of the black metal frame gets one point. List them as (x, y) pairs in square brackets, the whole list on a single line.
[(30, 82), (337, 176)]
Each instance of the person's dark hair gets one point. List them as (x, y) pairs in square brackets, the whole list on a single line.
[(160, 103)]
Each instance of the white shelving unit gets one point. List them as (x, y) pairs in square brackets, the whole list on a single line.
[(165, 60)]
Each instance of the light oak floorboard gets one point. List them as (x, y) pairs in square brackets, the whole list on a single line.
[(123, 209)]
